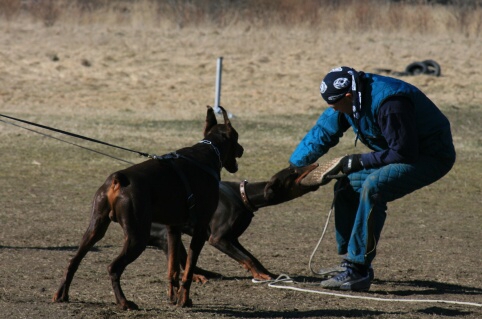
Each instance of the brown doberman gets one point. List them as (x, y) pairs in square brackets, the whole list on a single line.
[(236, 207), (175, 189)]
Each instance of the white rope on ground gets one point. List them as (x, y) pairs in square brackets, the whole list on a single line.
[(281, 278), (319, 241), (285, 278), (327, 222)]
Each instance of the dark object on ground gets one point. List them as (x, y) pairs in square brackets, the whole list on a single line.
[(175, 189), (433, 68), (416, 68), (429, 67)]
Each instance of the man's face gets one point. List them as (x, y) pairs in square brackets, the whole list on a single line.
[(344, 105)]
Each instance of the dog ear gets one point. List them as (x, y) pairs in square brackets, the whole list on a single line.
[(226, 117), (268, 192), (210, 120)]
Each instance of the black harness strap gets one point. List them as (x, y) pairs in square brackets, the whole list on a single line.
[(191, 200), (215, 174)]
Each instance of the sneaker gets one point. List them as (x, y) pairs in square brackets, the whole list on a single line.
[(333, 271), (353, 278)]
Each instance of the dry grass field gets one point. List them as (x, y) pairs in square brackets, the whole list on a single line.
[(136, 78)]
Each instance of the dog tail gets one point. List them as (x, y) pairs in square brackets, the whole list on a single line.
[(118, 180)]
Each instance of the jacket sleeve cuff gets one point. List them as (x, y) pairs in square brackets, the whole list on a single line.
[(365, 160)]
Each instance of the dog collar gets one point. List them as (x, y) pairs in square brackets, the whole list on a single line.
[(244, 196)]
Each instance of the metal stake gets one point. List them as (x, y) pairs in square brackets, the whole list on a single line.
[(217, 96)]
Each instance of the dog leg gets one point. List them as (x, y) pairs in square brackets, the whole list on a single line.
[(252, 264), (235, 250), (199, 275), (173, 244), (98, 226), (135, 243), (195, 247), (158, 239)]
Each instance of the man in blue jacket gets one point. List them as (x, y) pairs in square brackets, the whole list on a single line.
[(411, 145)]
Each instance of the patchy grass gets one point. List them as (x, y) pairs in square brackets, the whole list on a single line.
[(145, 87)]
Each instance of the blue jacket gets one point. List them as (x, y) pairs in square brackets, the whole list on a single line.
[(433, 135)]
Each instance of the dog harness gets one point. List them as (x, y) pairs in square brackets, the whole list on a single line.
[(171, 157)]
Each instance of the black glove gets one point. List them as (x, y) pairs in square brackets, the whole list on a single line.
[(351, 163)]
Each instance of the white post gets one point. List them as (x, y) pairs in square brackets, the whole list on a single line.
[(217, 96)]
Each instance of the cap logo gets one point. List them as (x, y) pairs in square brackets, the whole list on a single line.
[(335, 97), (338, 69), (341, 83), (323, 87)]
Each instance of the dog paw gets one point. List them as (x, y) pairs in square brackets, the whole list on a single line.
[(185, 303), (183, 299), (58, 297), (128, 305), (263, 276), (199, 278)]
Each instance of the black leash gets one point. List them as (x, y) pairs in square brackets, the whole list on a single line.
[(70, 143), (168, 157), (174, 155), (74, 135)]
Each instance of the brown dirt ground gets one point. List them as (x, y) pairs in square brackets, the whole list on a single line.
[(146, 89)]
